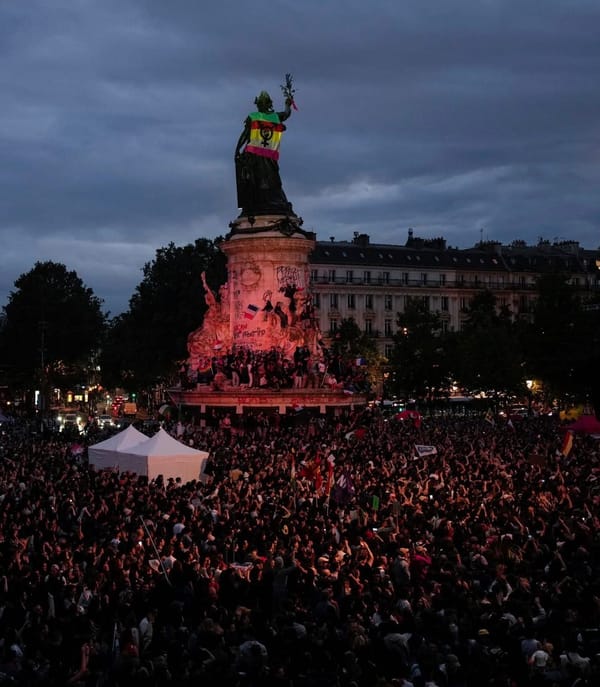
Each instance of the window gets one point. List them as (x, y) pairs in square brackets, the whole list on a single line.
[(385, 277), (351, 301), (349, 276), (405, 278), (367, 277), (333, 325), (368, 326), (444, 303), (442, 280), (369, 301), (425, 300), (388, 302), (333, 300), (314, 275), (316, 300), (331, 276), (387, 327), (388, 351), (464, 304), (424, 278)]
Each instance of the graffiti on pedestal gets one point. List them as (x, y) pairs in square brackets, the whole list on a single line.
[(259, 309)]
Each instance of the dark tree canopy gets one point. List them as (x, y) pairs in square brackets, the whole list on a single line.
[(144, 344), (351, 342), (557, 343), (52, 320), (420, 353), (489, 354)]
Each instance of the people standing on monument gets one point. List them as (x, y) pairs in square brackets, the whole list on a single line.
[(259, 187)]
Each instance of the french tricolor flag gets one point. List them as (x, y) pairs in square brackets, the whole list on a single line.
[(251, 311)]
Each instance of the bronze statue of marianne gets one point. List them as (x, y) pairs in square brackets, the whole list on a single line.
[(259, 188)]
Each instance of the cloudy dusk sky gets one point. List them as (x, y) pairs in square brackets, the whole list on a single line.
[(467, 119)]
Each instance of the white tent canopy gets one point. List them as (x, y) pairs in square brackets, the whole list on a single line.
[(107, 454), (164, 455)]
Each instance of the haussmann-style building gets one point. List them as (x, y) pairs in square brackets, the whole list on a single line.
[(371, 282)]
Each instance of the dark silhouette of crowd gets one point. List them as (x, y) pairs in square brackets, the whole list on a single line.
[(327, 553)]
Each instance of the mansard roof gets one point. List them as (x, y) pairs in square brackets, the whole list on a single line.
[(434, 254)]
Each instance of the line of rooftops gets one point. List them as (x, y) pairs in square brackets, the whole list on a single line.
[(492, 255)]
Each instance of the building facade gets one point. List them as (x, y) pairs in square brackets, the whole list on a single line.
[(372, 282)]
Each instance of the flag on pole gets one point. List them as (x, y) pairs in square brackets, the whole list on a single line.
[(413, 415), (489, 417), (375, 502), (358, 434), (344, 488), (330, 481), (567, 444), (311, 471)]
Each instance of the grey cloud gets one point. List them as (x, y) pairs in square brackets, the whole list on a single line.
[(119, 121)]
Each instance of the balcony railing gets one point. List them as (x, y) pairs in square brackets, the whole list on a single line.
[(418, 284)]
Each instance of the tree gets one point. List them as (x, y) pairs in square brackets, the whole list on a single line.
[(53, 323), (144, 344), (557, 342), (489, 352), (420, 355), (350, 343)]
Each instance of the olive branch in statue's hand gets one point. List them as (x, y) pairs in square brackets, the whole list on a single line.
[(288, 91)]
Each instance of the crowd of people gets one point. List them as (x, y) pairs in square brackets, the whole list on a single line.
[(351, 551), (248, 369)]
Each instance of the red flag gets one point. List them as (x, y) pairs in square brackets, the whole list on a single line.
[(413, 415), (330, 480), (312, 472), (567, 444)]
